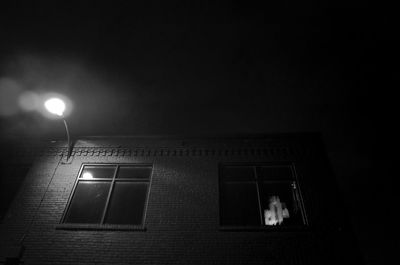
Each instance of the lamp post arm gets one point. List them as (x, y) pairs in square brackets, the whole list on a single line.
[(69, 139)]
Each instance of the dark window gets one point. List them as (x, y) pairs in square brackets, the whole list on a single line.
[(260, 196), (109, 194)]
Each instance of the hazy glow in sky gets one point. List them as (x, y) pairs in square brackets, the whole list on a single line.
[(9, 92), (28, 101)]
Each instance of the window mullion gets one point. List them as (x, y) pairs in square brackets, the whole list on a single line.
[(299, 196), (109, 196), (258, 196)]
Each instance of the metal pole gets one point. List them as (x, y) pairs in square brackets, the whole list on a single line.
[(69, 140)]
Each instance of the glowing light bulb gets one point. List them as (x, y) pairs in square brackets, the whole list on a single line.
[(55, 106)]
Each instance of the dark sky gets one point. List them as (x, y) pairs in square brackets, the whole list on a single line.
[(190, 68), (179, 68)]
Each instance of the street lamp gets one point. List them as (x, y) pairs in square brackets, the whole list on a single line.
[(57, 107)]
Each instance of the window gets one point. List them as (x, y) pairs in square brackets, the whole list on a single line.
[(260, 196), (109, 195)]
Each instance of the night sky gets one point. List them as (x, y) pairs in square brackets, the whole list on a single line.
[(198, 68)]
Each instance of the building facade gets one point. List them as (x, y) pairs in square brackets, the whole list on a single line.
[(268, 199)]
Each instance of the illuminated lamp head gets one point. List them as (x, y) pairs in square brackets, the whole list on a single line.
[(55, 106)]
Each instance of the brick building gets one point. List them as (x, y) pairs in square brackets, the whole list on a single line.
[(266, 199)]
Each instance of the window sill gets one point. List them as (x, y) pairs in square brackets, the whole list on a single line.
[(95, 227), (293, 229)]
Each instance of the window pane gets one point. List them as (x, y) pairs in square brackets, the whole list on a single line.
[(239, 204), (127, 203), (238, 173), (274, 173), (90, 172), (88, 202), (134, 172), (280, 204)]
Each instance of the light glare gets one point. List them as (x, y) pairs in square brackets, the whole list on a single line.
[(55, 106), (87, 175)]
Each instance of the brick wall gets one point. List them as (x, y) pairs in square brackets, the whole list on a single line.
[(182, 219)]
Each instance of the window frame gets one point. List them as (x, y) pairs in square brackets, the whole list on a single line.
[(102, 225), (223, 227)]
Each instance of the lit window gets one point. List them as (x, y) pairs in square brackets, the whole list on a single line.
[(260, 196), (109, 195)]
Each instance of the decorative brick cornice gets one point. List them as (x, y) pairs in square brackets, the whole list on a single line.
[(273, 152)]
